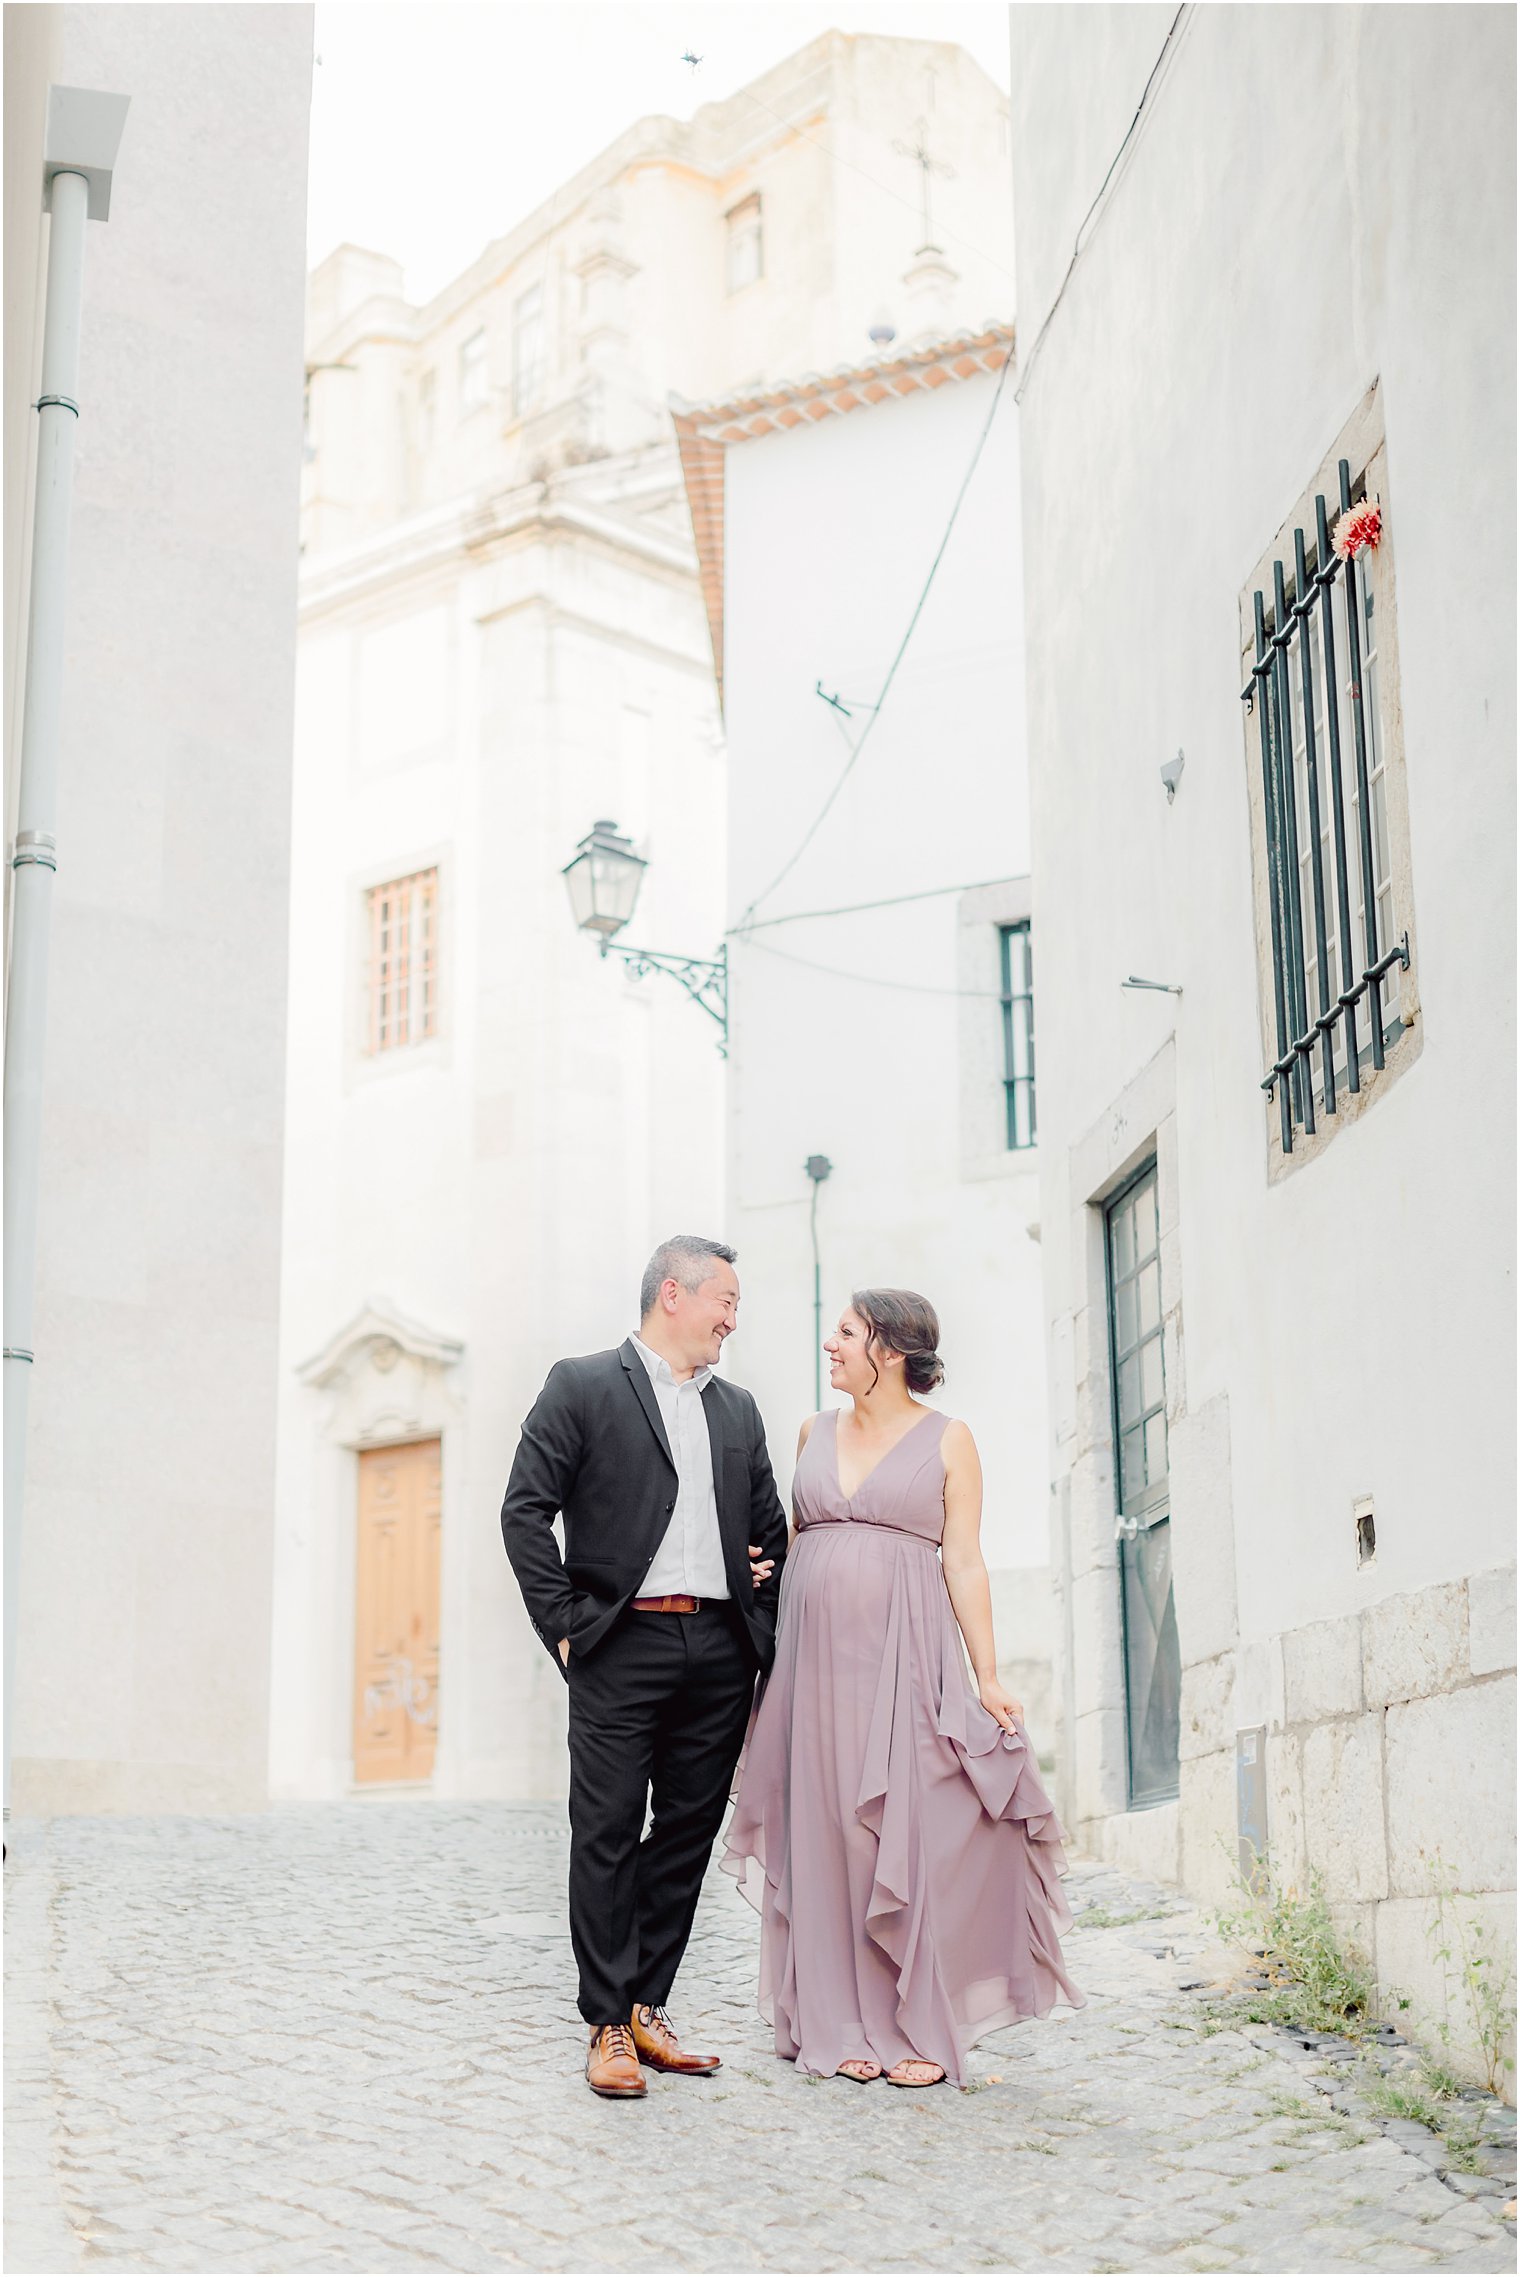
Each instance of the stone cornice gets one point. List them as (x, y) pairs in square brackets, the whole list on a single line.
[(461, 533)]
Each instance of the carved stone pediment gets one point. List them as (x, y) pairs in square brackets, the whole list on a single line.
[(379, 1336)]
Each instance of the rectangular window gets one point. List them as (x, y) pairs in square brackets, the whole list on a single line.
[(529, 350), (745, 254), (403, 961), (1332, 842), (1018, 1031), (472, 372), (1142, 1492)]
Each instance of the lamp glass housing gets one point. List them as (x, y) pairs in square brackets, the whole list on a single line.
[(603, 879)]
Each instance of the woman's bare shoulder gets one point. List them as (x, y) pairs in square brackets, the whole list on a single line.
[(802, 1437)]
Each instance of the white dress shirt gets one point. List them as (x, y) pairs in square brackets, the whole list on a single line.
[(689, 1560)]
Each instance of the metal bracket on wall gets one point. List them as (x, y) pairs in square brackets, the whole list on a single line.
[(705, 979)]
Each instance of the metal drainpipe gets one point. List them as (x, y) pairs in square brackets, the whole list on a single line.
[(96, 121)]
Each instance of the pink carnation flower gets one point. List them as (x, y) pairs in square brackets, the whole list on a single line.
[(1358, 528)]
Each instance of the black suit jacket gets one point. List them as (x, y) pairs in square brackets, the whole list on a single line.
[(594, 1448)]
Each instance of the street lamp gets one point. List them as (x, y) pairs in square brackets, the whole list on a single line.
[(603, 877), (818, 1167)]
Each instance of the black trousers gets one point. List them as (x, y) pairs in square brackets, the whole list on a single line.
[(661, 1706)]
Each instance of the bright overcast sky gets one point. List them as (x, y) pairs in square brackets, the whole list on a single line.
[(436, 126)]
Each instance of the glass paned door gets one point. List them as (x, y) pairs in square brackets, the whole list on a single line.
[(1152, 1665)]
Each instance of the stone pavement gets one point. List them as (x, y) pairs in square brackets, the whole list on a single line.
[(343, 2038)]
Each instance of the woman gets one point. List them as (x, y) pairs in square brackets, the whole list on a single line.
[(890, 1825)]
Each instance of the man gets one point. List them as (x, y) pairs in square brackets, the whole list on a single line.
[(660, 1624)]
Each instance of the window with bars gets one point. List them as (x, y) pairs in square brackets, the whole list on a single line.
[(529, 349), (1017, 991), (744, 259), (1332, 846), (403, 961)]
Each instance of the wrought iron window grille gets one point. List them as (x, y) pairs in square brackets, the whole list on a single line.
[(1307, 805)]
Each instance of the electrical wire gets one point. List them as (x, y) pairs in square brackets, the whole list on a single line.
[(1076, 246), (871, 979), (854, 908), (918, 608)]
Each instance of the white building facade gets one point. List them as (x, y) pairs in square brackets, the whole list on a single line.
[(142, 1674), (1278, 1292), (882, 1018), (502, 642)]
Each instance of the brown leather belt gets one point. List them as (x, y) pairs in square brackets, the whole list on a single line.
[(666, 1604)]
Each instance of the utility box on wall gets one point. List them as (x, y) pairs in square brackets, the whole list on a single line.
[(1251, 1801)]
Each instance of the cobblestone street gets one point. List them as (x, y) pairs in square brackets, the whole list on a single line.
[(344, 2038)]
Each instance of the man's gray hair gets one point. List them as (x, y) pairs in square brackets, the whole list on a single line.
[(686, 1258)]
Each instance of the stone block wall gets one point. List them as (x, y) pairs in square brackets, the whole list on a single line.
[(1389, 1754)]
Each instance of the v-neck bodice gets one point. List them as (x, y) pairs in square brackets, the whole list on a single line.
[(904, 1491)]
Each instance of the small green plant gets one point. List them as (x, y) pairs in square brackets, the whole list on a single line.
[(1405, 2095), (1288, 2107), (1103, 1917), (1431, 2097), (1315, 1983), (1463, 2142), (1464, 1945)]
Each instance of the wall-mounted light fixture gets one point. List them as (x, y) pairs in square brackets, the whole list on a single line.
[(1171, 775), (603, 877)]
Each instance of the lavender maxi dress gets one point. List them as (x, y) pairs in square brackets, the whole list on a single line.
[(899, 1847)]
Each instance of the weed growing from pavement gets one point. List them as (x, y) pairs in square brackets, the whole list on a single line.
[(1102, 1917), (1442, 2081), (1315, 1982), (1430, 2097), (1463, 1944)]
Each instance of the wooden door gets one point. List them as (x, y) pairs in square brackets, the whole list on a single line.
[(396, 1635)]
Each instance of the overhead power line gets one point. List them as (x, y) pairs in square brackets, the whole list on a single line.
[(1077, 247), (854, 908), (918, 608), (870, 979)]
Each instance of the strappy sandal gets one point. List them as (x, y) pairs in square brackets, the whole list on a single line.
[(920, 2063), (867, 2073)]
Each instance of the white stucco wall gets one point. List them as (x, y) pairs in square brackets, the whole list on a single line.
[(142, 1680), (504, 1184), (829, 533), (1317, 199), (1186, 391)]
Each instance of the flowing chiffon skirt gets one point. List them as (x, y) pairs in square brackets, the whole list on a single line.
[(900, 1848)]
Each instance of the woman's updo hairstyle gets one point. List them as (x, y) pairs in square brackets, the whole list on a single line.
[(900, 1320)]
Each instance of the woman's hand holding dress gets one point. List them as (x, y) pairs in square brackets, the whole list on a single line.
[(1000, 1702)]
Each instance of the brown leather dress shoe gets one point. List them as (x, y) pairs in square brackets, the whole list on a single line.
[(659, 2047), (612, 2064)]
